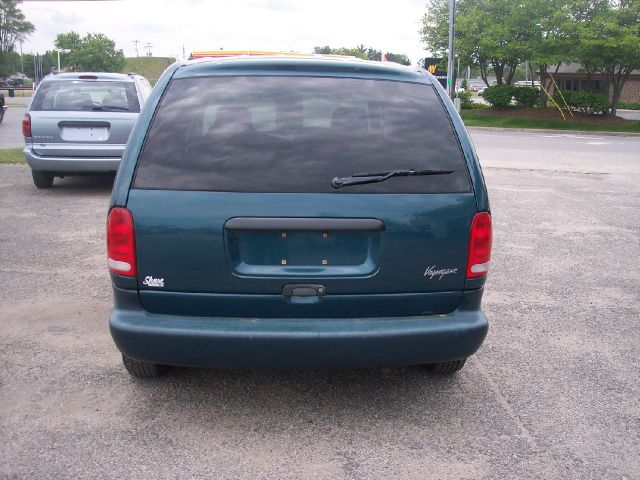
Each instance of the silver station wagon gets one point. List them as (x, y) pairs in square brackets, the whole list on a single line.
[(79, 123)]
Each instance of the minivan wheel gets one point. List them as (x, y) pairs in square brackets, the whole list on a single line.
[(42, 179), (139, 369), (447, 368)]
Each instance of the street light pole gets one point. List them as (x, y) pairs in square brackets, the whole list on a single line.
[(450, 66)]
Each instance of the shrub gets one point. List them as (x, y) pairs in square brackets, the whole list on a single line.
[(621, 104), (525, 96), (465, 99), (633, 106), (586, 102), (498, 96)]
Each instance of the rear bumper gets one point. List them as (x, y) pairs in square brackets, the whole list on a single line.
[(296, 343), (70, 164)]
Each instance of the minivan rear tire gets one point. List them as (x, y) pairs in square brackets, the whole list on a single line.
[(139, 369), (447, 368), (42, 179)]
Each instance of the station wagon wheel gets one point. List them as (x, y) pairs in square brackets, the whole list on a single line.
[(42, 179), (447, 368), (139, 369)]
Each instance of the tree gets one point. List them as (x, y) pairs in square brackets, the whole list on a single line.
[(13, 29), (352, 52), (94, 52), (553, 44), (398, 58), (489, 33), (49, 62), (364, 52), (608, 41), (13, 26)]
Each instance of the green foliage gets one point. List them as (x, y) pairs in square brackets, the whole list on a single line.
[(68, 41), (13, 29), (352, 52), (465, 99), (602, 35), (499, 96), (13, 26), (490, 33), (94, 52), (477, 118), (398, 58), (364, 52), (591, 103), (606, 36), (525, 96), (49, 62), (628, 106)]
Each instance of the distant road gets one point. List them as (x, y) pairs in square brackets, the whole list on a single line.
[(558, 151), (629, 114), (11, 127)]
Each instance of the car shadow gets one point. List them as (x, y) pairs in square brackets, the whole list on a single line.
[(276, 398), (83, 185)]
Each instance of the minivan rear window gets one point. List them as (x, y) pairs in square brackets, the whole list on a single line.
[(295, 134), (86, 96)]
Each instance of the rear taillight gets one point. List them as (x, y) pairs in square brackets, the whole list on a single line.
[(479, 245), (26, 125), (121, 245)]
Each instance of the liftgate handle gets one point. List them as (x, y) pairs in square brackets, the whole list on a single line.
[(303, 290)]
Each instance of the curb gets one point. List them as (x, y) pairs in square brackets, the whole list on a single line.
[(554, 131)]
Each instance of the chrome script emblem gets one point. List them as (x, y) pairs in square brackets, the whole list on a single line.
[(434, 271), (149, 281)]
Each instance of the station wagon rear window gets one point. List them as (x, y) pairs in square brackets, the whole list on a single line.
[(295, 134), (86, 96)]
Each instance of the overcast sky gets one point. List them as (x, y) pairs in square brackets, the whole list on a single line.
[(241, 24)]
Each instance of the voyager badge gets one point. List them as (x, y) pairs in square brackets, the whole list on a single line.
[(434, 271)]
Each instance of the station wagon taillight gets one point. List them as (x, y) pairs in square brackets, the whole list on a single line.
[(26, 125), (479, 245), (121, 246)]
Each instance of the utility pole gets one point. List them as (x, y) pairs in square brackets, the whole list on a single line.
[(451, 64), (136, 42), (148, 46)]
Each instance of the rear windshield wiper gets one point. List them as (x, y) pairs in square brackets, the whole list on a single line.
[(110, 107), (362, 178)]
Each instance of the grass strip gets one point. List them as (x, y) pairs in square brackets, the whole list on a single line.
[(11, 155), (475, 118)]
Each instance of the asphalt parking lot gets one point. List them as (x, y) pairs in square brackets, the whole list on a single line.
[(553, 393)]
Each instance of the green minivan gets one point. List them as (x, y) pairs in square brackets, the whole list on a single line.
[(298, 212)]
